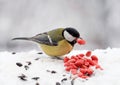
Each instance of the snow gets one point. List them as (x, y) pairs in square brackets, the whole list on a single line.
[(96, 20), (51, 70)]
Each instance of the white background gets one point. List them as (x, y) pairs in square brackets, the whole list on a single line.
[(98, 21)]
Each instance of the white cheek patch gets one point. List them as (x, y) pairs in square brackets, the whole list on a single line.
[(68, 36)]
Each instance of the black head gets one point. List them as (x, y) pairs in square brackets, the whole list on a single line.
[(71, 34)]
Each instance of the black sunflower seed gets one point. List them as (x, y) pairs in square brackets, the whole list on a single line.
[(57, 83), (37, 59), (48, 70), (37, 83), (19, 64), (39, 53), (29, 63), (64, 79), (13, 53), (63, 75), (26, 67), (23, 77), (36, 78), (53, 72)]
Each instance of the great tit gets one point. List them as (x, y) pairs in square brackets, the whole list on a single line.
[(56, 42)]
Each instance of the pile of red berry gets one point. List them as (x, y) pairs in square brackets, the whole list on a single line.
[(82, 65)]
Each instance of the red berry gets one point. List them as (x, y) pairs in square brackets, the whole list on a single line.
[(80, 74), (90, 71), (92, 63), (75, 57), (72, 61), (88, 53), (83, 70), (84, 66), (74, 71), (66, 59), (72, 57), (84, 77), (81, 56), (95, 62), (79, 62), (81, 41), (93, 57), (68, 68), (73, 66), (99, 67), (86, 63), (67, 64)]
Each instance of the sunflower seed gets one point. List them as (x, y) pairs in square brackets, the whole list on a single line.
[(36, 78), (23, 77), (26, 67), (19, 64), (64, 79), (57, 83)]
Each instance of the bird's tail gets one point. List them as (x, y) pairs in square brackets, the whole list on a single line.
[(21, 38), (27, 38)]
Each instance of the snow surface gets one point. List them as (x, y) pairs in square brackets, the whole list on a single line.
[(51, 70)]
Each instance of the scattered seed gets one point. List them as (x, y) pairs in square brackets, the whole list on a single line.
[(13, 53), (19, 64), (57, 83), (26, 67), (53, 72), (37, 59), (29, 63), (37, 83), (39, 53), (36, 78), (64, 79), (23, 77), (48, 70), (64, 75)]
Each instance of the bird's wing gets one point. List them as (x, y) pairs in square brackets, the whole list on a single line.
[(49, 38), (43, 38)]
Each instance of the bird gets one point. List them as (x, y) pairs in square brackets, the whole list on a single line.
[(56, 42)]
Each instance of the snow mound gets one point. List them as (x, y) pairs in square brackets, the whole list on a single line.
[(35, 68)]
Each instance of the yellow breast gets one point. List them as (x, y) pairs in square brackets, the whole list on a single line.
[(62, 48)]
